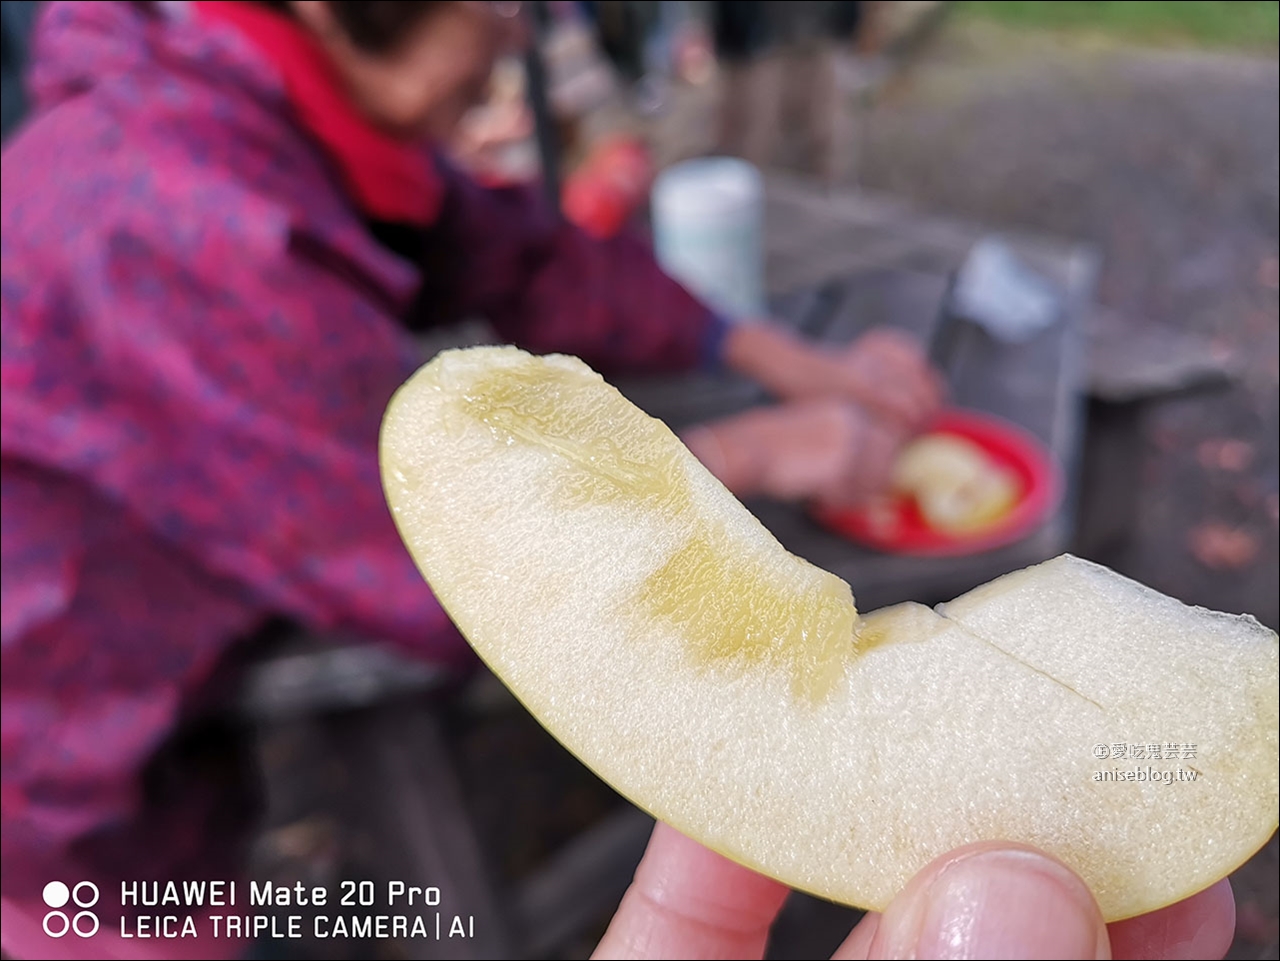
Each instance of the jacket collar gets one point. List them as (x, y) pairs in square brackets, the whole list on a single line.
[(388, 179)]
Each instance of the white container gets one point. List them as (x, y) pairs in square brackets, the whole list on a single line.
[(707, 219)]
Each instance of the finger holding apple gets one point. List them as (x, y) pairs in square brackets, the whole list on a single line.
[(990, 900)]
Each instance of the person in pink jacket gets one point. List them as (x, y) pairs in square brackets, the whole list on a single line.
[(223, 226)]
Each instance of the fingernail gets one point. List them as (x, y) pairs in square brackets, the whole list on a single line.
[(1005, 903)]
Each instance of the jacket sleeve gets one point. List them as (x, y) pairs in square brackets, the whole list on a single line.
[(237, 414), (206, 427), (548, 287)]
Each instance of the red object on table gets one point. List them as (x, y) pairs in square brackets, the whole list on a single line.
[(612, 183), (898, 527)]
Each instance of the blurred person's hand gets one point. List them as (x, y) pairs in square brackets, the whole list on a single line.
[(826, 450), (884, 370), (988, 900)]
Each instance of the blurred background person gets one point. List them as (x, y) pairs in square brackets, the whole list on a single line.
[(786, 69), (223, 226)]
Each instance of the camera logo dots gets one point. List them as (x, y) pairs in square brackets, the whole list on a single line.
[(84, 922)]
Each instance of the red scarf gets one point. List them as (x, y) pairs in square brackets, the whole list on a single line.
[(389, 179)]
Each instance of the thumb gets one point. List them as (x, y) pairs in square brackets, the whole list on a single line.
[(993, 900)]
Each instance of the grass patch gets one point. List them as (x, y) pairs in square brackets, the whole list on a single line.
[(1249, 24)]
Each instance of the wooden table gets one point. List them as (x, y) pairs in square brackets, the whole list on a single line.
[(840, 263)]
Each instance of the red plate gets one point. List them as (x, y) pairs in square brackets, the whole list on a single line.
[(898, 527)]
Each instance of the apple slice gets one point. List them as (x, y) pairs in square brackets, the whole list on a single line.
[(731, 689), (956, 486)]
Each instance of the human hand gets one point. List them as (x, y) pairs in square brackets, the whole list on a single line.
[(826, 450), (986, 900), (884, 370)]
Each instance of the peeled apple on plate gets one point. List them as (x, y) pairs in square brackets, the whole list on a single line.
[(957, 487), (733, 690)]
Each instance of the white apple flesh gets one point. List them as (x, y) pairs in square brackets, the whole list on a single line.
[(731, 689)]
